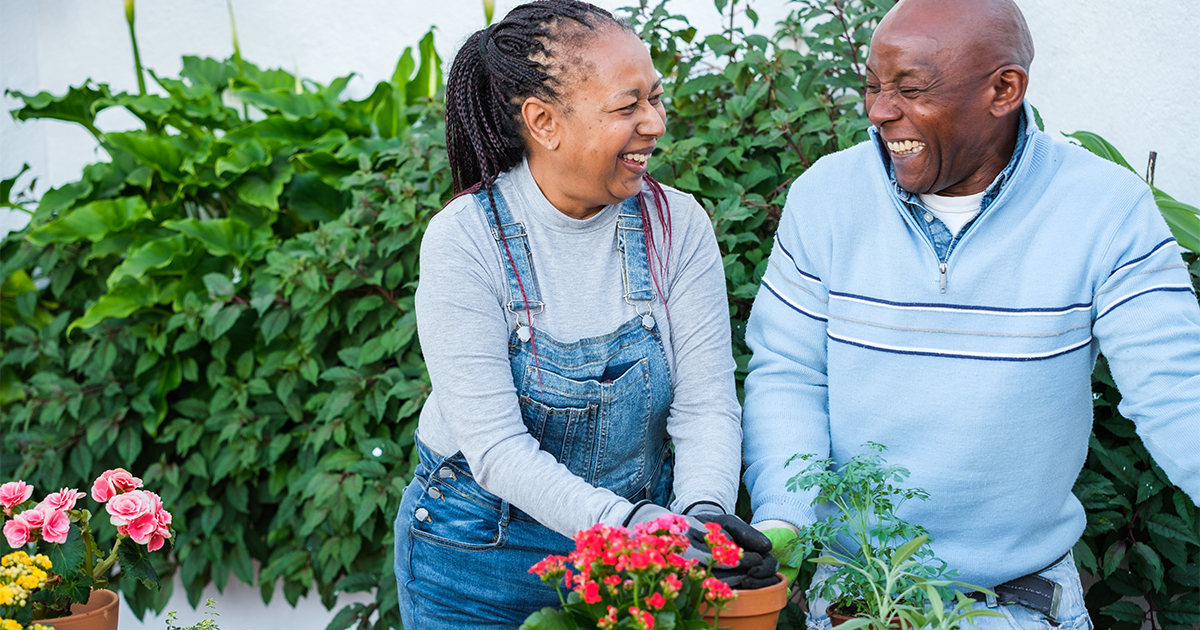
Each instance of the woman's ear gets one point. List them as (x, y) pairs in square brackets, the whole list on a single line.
[(542, 122), (1010, 83)]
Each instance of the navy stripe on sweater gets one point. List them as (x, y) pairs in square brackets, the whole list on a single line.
[(1144, 256), (963, 307), (945, 354), (1168, 287), (793, 261), (796, 307)]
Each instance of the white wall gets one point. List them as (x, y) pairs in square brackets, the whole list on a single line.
[(1126, 70)]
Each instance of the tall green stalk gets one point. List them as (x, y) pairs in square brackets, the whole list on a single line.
[(137, 58), (237, 53)]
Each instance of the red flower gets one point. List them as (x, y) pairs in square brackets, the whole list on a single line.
[(717, 591), (642, 619), (609, 620), (656, 601), (671, 584), (552, 567)]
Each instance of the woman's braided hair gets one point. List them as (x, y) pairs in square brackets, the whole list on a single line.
[(493, 73)]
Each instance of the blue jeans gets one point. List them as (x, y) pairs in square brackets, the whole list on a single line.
[(1072, 615), (463, 554)]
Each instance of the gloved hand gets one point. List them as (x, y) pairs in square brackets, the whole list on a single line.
[(757, 567), (781, 539), (644, 511)]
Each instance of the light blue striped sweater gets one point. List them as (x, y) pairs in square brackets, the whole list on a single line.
[(976, 378)]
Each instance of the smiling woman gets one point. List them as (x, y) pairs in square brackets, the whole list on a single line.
[(578, 343)]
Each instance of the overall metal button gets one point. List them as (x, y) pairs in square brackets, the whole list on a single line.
[(435, 493), (929, 217), (421, 514), (446, 473)]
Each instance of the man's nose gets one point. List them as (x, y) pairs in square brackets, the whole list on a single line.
[(881, 108)]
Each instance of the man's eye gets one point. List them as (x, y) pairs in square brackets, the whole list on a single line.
[(873, 88), (910, 92), (655, 99)]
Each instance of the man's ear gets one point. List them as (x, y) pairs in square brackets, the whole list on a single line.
[(1009, 82), (542, 122)]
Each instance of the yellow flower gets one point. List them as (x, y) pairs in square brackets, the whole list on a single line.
[(44, 562), (28, 582), (9, 624), (8, 596)]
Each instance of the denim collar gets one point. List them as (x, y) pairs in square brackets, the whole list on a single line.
[(1024, 131), (936, 232)]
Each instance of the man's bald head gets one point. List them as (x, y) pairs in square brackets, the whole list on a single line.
[(945, 84), (986, 31)]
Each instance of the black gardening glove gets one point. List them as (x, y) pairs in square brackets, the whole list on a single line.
[(757, 567)]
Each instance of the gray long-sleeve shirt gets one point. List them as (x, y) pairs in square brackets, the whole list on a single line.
[(464, 330)]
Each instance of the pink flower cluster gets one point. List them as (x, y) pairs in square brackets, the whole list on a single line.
[(49, 519), (138, 514), (634, 573)]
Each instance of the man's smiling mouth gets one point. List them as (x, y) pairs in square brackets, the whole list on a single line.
[(906, 147)]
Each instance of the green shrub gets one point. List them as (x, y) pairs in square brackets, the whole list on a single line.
[(227, 303)]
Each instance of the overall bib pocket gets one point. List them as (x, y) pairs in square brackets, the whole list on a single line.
[(598, 429)]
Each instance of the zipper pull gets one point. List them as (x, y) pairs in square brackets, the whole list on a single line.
[(942, 268)]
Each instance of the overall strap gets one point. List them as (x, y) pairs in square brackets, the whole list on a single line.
[(518, 248), (635, 262)]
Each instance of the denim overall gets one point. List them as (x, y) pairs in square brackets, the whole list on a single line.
[(599, 405)]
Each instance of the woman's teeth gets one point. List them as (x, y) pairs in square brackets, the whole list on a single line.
[(640, 158), (906, 147)]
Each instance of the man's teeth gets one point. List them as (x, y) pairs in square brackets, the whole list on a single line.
[(640, 158), (906, 147)]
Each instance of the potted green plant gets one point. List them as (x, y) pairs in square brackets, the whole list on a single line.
[(886, 575), (639, 579), (69, 575)]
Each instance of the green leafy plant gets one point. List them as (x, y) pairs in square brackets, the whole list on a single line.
[(886, 570), (226, 305), (886, 573), (864, 530), (208, 623)]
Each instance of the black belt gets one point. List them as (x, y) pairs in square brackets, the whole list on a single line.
[(1032, 591)]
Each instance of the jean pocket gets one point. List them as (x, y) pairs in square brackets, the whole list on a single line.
[(445, 516)]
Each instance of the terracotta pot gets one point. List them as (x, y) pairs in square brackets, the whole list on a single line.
[(836, 619), (99, 613), (756, 609)]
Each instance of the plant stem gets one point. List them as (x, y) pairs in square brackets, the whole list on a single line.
[(137, 58), (107, 563), (89, 544), (237, 55)]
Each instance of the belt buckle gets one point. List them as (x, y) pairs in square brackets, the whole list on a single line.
[(1055, 600)]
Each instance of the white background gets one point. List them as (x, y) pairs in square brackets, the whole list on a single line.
[(1127, 70)]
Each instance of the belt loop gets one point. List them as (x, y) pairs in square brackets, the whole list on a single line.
[(505, 512)]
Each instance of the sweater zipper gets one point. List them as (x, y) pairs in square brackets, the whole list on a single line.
[(942, 267)]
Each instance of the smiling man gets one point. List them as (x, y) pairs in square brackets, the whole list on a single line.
[(945, 289)]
